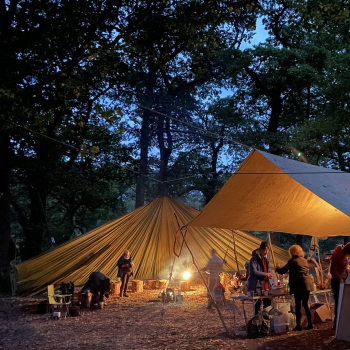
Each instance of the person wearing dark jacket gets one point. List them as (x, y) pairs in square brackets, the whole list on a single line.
[(260, 270), (300, 283), (125, 270)]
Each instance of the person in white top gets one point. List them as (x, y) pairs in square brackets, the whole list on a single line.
[(214, 267)]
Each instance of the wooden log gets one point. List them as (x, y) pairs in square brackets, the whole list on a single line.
[(137, 286), (152, 284), (185, 285), (115, 288), (162, 284)]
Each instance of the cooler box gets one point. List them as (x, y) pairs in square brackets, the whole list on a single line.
[(279, 323)]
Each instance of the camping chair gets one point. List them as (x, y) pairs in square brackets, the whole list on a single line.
[(58, 300)]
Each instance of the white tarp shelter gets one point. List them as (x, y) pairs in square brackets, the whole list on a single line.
[(272, 193)]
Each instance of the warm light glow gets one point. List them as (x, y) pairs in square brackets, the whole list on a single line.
[(186, 275)]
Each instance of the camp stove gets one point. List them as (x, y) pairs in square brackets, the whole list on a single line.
[(170, 295)]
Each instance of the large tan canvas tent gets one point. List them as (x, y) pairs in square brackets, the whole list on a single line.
[(271, 193), (149, 233)]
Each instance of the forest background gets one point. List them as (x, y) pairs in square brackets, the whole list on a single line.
[(87, 89)]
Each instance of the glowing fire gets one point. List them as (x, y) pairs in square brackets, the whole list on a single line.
[(186, 275)]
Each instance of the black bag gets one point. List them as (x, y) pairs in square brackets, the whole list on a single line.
[(257, 329), (43, 308)]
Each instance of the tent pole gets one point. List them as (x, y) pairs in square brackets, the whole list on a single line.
[(272, 254), (171, 271), (271, 248), (206, 286), (172, 267), (319, 264), (234, 249)]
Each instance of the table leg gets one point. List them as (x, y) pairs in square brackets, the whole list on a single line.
[(329, 306), (234, 315), (67, 309), (245, 315)]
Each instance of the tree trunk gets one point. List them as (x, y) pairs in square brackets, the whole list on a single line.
[(341, 159), (145, 140), (212, 183), (299, 240), (35, 230), (272, 129), (5, 212), (165, 153)]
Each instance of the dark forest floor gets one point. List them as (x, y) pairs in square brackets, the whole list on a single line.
[(137, 323)]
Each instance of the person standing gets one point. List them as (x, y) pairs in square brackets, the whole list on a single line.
[(260, 271), (125, 265), (214, 267), (339, 269), (300, 283)]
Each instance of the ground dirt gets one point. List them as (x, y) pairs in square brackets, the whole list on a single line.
[(138, 323)]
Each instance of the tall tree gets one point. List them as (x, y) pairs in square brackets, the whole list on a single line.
[(171, 47), (279, 76), (52, 82)]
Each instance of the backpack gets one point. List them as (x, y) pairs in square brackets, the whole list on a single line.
[(258, 327)]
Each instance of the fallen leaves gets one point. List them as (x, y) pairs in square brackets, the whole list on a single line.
[(136, 323)]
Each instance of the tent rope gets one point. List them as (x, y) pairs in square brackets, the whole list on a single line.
[(174, 249), (198, 270), (206, 286)]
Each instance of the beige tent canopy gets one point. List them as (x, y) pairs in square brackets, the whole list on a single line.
[(271, 193), (149, 233)]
